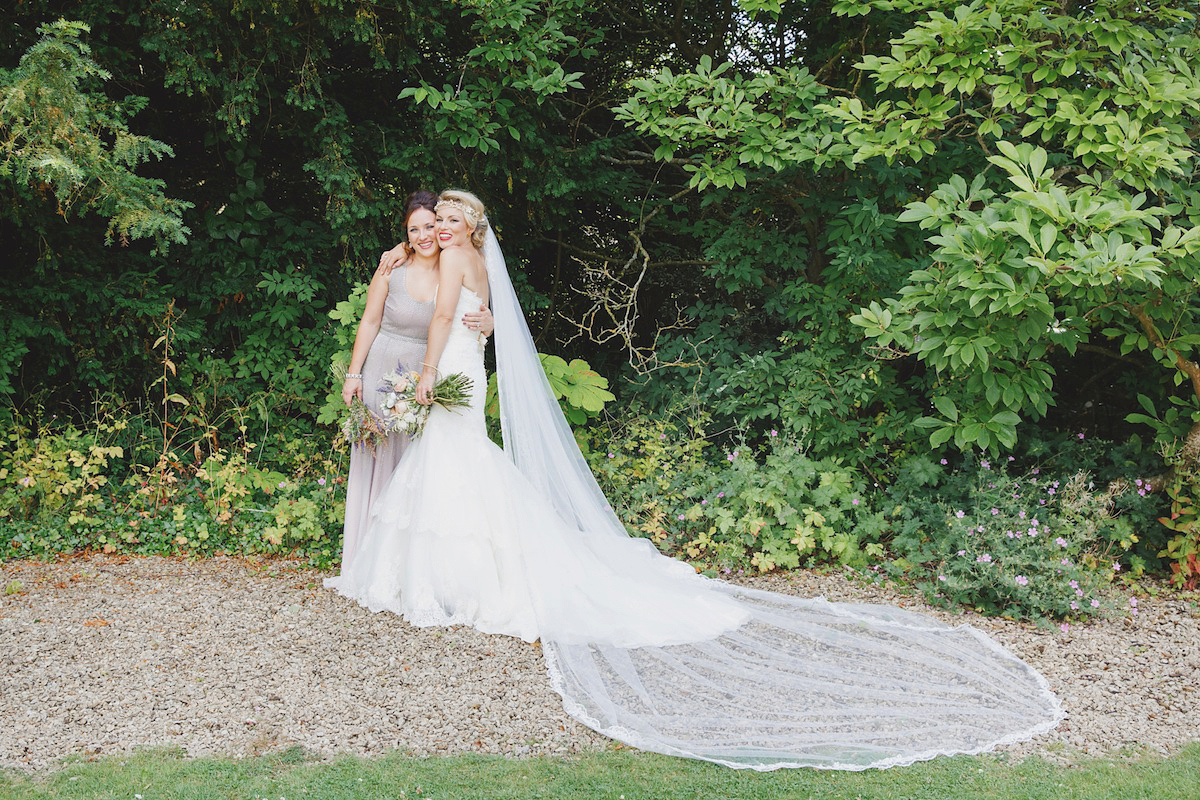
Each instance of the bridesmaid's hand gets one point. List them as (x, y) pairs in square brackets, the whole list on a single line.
[(351, 389), (481, 320), (392, 259)]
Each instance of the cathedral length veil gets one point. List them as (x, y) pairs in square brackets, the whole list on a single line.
[(804, 682)]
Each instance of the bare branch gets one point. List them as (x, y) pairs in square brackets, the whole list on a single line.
[(1189, 368)]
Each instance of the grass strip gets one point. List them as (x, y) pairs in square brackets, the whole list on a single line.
[(293, 775)]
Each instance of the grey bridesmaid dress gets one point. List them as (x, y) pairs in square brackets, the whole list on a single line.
[(400, 343)]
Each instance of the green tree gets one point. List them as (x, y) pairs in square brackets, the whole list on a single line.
[(61, 136), (67, 149), (1079, 243), (1084, 238), (298, 128)]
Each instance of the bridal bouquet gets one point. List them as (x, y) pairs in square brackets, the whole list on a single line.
[(362, 427), (401, 411)]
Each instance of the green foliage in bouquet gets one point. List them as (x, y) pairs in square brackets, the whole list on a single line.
[(580, 390), (362, 427)]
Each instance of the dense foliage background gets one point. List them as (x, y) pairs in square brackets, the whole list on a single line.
[(849, 266)]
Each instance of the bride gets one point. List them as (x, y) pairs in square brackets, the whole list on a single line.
[(521, 541)]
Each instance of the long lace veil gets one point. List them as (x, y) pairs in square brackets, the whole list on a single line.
[(804, 682), (536, 434)]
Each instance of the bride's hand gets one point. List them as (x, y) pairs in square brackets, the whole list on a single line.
[(392, 259), (481, 320), (424, 391)]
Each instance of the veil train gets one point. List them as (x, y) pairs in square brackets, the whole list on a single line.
[(802, 682)]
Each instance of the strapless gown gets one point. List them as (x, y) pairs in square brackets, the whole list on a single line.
[(643, 649), (460, 536)]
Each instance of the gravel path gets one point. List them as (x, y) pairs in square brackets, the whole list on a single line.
[(102, 655)]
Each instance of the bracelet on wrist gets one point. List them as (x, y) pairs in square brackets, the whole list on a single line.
[(354, 376)]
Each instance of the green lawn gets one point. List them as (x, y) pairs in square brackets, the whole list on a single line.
[(607, 775)]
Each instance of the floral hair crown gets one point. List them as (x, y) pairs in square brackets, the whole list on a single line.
[(471, 214)]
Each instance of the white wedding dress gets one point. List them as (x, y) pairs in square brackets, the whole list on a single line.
[(460, 537), (521, 541)]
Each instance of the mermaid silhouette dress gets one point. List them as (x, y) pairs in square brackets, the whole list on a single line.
[(639, 646)]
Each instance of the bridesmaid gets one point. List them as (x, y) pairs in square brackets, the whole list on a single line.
[(394, 330)]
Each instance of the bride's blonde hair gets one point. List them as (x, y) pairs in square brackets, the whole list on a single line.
[(471, 207)]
